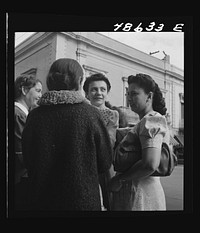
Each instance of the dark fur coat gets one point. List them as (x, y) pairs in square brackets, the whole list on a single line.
[(65, 146)]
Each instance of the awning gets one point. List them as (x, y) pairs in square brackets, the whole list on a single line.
[(179, 139), (173, 141)]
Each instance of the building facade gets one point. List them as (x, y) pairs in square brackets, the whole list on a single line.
[(99, 53)]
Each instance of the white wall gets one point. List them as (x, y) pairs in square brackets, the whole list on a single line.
[(39, 56), (101, 54)]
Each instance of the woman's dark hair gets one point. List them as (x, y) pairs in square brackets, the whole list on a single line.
[(148, 84), (64, 74), (26, 81), (96, 77)]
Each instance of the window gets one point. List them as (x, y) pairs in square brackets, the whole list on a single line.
[(126, 94), (181, 95), (31, 71), (182, 111), (91, 70)]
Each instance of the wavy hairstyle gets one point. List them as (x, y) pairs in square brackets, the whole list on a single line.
[(96, 77), (64, 74), (27, 81), (149, 85)]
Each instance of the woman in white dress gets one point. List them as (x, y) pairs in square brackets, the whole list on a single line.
[(135, 189)]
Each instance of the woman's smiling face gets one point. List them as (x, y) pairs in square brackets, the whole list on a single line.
[(33, 95), (97, 93)]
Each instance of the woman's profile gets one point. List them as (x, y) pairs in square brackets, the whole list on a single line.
[(135, 188)]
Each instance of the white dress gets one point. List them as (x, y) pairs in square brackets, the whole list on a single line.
[(147, 194)]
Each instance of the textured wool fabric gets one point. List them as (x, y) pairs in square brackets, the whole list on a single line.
[(65, 146)]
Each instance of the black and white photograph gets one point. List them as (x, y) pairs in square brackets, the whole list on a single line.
[(98, 119)]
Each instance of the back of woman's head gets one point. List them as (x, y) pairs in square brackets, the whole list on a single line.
[(149, 85), (24, 81), (96, 77), (64, 74)]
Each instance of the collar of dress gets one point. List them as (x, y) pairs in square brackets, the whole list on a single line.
[(106, 113), (22, 107), (61, 97)]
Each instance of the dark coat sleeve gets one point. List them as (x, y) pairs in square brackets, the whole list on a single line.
[(20, 121), (27, 142)]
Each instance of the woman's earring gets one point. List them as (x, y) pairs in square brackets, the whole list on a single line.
[(23, 90), (150, 96)]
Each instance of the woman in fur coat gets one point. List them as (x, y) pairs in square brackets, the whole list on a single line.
[(65, 145)]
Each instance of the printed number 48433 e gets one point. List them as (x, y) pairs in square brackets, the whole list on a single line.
[(152, 26)]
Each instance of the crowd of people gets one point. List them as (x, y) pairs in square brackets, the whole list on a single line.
[(66, 143)]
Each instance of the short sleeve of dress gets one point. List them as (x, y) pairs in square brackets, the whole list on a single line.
[(152, 130)]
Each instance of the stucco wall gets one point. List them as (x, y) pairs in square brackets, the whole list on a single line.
[(97, 53), (39, 56)]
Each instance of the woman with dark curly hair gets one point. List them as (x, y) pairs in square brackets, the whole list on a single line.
[(97, 87), (135, 188)]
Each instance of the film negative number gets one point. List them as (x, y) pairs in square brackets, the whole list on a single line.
[(151, 27)]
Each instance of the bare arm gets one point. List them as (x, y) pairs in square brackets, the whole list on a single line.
[(143, 168), (151, 131)]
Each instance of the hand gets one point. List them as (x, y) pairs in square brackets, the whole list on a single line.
[(114, 185)]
